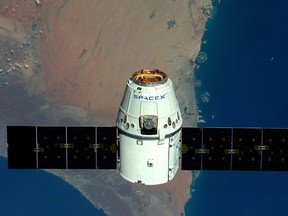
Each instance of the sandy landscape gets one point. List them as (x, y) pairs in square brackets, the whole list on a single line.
[(69, 62)]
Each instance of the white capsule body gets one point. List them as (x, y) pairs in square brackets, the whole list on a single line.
[(149, 124)]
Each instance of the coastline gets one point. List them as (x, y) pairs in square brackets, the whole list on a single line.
[(175, 56), (69, 84)]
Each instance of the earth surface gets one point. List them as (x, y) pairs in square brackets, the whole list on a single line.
[(66, 63)]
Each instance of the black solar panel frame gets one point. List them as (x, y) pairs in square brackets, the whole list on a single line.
[(82, 147), (217, 142), (191, 142), (21, 142)]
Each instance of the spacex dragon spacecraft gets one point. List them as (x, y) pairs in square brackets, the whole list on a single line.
[(148, 140), (149, 125)]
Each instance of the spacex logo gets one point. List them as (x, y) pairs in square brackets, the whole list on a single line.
[(150, 98)]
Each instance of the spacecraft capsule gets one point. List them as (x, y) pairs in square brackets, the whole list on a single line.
[(149, 123)]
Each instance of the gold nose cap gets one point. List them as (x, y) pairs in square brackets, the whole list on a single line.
[(149, 77)]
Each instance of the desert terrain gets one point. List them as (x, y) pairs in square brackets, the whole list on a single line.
[(65, 62)]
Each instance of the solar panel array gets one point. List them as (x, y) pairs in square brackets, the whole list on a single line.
[(255, 149), (49, 147), (42, 147)]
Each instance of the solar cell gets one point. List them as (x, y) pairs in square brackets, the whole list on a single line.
[(21, 142), (106, 148), (275, 150), (246, 142), (217, 143), (51, 145), (81, 147), (191, 144)]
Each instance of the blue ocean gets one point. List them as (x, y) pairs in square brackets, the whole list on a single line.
[(246, 77), (35, 192)]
